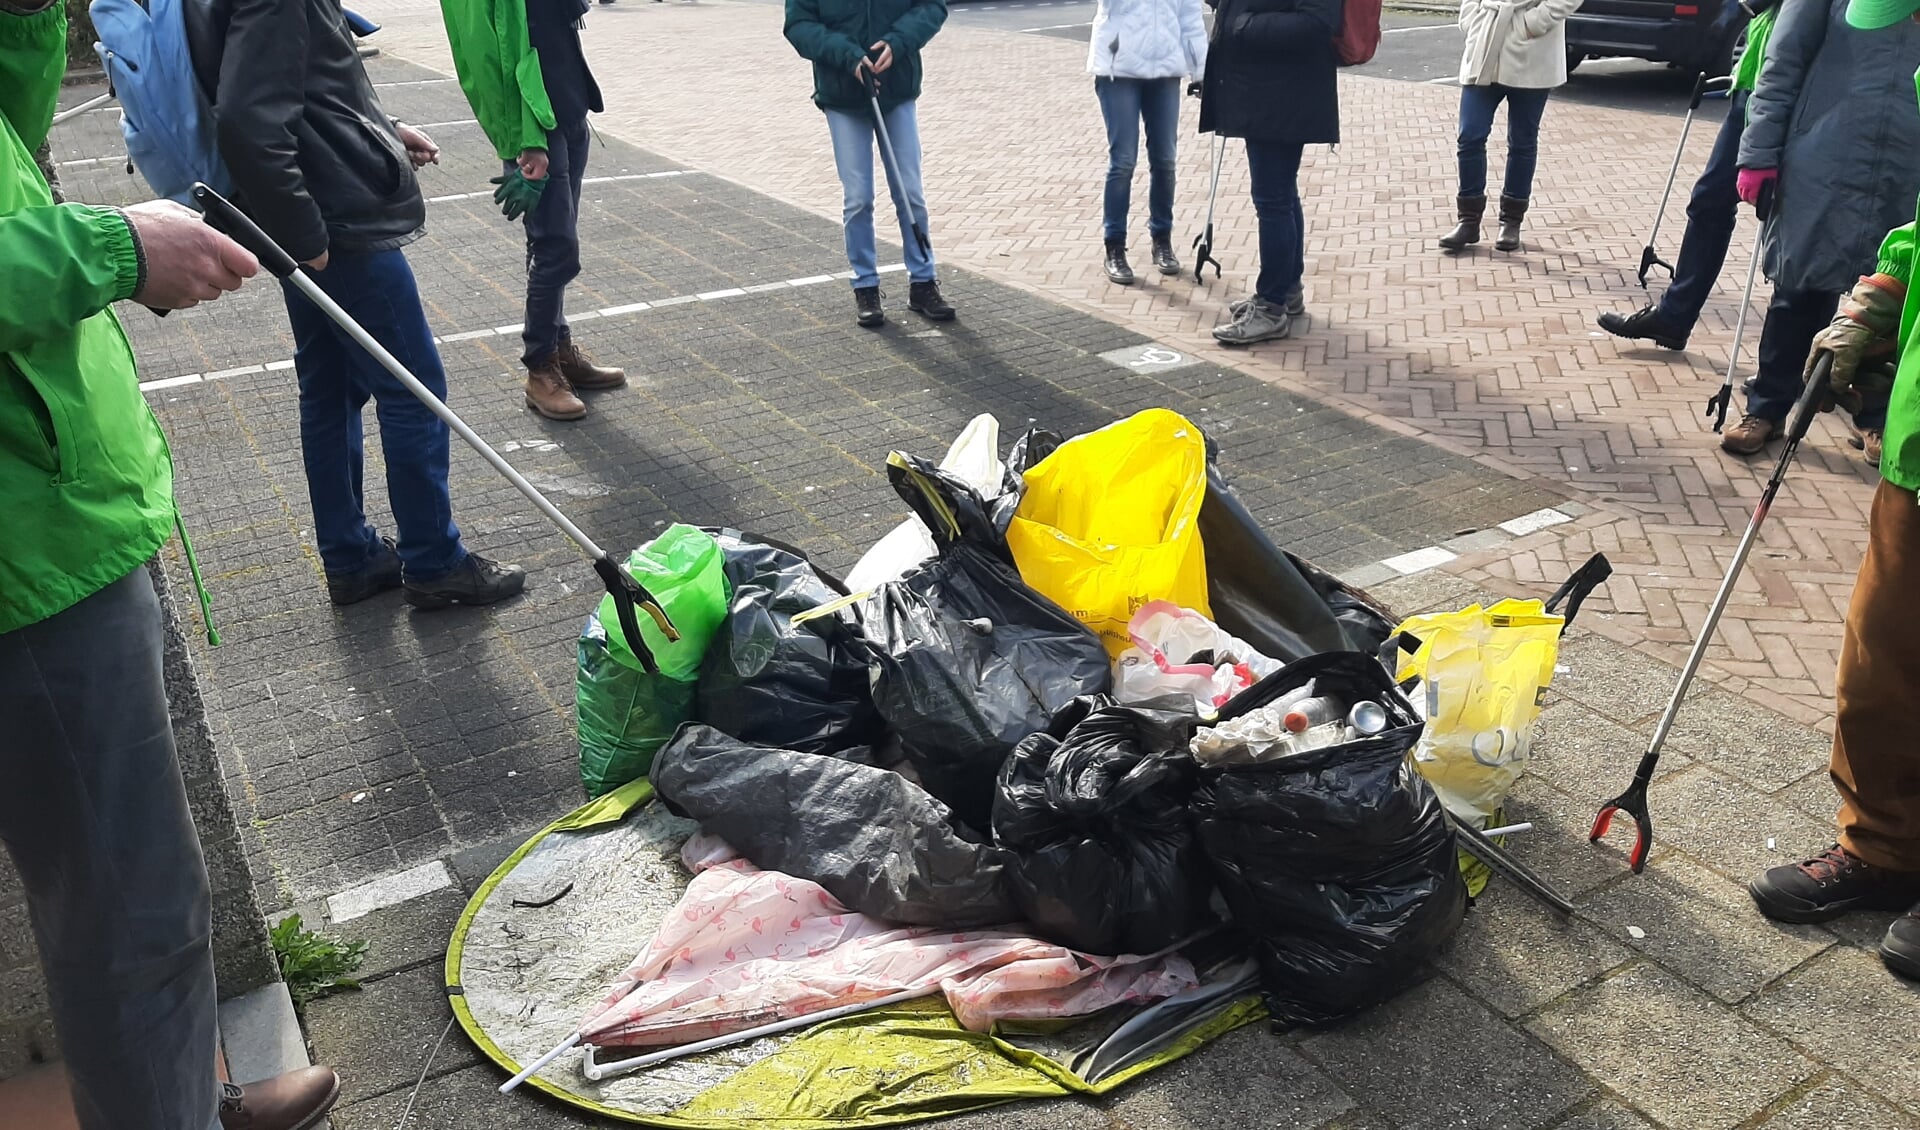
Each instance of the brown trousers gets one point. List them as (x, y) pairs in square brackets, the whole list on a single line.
[(1876, 732)]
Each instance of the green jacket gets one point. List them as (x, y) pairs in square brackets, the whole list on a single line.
[(86, 483), (1746, 71), (834, 34), (500, 72), (1900, 459)]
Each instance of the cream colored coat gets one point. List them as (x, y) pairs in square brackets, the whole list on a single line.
[(1520, 43)]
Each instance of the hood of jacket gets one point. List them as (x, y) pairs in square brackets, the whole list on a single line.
[(1148, 39)]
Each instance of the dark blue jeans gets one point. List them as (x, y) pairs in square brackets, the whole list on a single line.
[(553, 241), (1126, 103), (337, 378), (1274, 169), (1524, 108), (1793, 318), (1712, 213)]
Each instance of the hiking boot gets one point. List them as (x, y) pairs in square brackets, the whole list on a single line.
[(1119, 271), (1749, 436), (380, 573), (294, 1101), (1870, 441), (1164, 260), (866, 307), (923, 298), (1645, 324), (1467, 232), (1831, 884), (1261, 321), (550, 394), (578, 367), (475, 581), (1513, 209), (1900, 949), (1295, 306)]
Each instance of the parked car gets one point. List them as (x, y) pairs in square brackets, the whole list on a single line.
[(1701, 35)]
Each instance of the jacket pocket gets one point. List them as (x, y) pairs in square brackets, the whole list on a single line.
[(43, 429)]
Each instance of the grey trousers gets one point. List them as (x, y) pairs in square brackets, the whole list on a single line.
[(94, 813)]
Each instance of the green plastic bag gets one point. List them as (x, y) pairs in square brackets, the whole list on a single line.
[(626, 715)]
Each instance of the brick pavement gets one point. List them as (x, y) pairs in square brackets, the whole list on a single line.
[(1491, 356)]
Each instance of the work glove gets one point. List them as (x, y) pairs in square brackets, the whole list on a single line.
[(1751, 182), (1862, 331), (515, 194)]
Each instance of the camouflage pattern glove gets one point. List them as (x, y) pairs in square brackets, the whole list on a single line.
[(1863, 329)]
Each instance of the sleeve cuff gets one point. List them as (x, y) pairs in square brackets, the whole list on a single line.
[(1891, 274), (124, 249)]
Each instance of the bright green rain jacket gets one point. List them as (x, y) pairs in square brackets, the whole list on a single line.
[(86, 483), (499, 72), (1900, 460)]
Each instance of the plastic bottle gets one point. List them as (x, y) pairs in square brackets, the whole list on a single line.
[(1311, 712)]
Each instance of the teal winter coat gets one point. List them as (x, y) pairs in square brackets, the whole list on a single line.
[(834, 34)]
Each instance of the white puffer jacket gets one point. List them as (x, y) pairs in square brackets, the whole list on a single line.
[(1518, 43), (1148, 39)]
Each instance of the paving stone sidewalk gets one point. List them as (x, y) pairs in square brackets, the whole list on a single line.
[(364, 742)]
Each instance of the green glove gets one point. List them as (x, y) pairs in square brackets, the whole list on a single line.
[(516, 195), (1863, 330)]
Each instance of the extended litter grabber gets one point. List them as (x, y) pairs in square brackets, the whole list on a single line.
[(1203, 243), (1649, 258), (892, 161), (1633, 802), (628, 594), (1718, 402)]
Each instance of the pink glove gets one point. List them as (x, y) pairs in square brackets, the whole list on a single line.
[(1751, 181)]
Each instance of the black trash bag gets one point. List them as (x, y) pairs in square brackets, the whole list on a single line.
[(966, 659), (872, 838), (1095, 813), (1286, 608), (769, 681), (1339, 862)]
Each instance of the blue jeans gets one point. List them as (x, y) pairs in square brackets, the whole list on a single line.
[(1524, 108), (1274, 169), (1712, 213), (1793, 318), (95, 816), (853, 143), (1126, 103), (553, 241), (337, 377)]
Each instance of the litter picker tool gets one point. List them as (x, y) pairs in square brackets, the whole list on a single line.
[(1481, 846), (628, 594), (892, 161), (1203, 243), (1649, 258), (1718, 402), (1633, 802), (73, 112)]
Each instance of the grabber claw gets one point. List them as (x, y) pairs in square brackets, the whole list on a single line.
[(1633, 802), (627, 595), (1649, 259)]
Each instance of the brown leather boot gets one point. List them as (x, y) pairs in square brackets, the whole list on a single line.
[(580, 370), (1469, 210), (1749, 436), (294, 1101), (1512, 211), (550, 394)]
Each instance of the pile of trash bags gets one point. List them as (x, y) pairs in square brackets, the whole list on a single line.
[(1078, 692)]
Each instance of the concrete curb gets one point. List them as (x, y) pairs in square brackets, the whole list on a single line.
[(261, 1035)]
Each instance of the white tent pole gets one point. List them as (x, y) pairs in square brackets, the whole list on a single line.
[(528, 1071)]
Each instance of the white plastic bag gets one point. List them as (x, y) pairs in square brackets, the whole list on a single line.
[(974, 457), (1166, 640)]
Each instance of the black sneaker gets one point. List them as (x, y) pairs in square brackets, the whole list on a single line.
[(380, 573), (1645, 324), (923, 298), (1119, 271), (1831, 884), (1900, 949), (474, 581), (866, 305), (1164, 260)]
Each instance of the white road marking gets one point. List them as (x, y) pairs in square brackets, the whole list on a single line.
[(360, 901)]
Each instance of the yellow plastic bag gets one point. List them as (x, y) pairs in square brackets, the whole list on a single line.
[(1485, 673), (1110, 521)]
